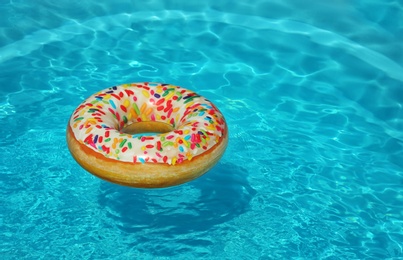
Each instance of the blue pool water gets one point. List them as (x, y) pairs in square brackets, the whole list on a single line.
[(312, 92)]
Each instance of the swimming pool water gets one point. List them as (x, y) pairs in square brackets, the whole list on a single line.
[(312, 93)]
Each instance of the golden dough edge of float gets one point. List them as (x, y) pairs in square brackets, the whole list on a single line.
[(147, 175)]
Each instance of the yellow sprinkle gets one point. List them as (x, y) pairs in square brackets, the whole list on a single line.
[(107, 96), (176, 109), (189, 156), (126, 103), (211, 127), (159, 89), (167, 97), (91, 121), (186, 131), (115, 141), (158, 116), (145, 93), (88, 130), (144, 117), (174, 161), (143, 148)]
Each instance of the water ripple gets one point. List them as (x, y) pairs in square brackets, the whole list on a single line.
[(106, 23)]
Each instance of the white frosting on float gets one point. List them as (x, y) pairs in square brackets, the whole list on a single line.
[(98, 122)]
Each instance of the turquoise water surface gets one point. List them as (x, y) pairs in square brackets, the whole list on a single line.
[(312, 93)]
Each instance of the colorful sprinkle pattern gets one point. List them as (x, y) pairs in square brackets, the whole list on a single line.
[(198, 124)]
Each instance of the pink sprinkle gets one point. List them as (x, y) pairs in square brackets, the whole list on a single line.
[(169, 113)]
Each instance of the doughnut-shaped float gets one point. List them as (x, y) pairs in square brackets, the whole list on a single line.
[(147, 135)]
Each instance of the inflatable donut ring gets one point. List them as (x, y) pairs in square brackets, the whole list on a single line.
[(147, 135)]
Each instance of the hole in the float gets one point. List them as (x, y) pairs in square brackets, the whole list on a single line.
[(147, 128)]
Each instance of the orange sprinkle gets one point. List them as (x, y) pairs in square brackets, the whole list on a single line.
[(132, 113), (148, 111), (143, 107)]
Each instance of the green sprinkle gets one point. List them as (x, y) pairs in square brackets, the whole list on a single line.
[(125, 119), (167, 143), (166, 92), (179, 94), (78, 118), (122, 143), (129, 144), (204, 132), (107, 139), (136, 108), (190, 98)]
